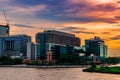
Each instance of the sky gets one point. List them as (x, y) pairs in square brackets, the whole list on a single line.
[(84, 18)]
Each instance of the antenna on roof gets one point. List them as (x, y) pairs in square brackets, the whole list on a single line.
[(7, 22)]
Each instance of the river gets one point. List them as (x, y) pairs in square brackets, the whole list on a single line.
[(52, 74)]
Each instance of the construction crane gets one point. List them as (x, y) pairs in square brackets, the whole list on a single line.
[(7, 22), (5, 29)]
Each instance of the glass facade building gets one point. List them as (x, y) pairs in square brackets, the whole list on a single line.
[(14, 45), (57, 42), (96, 47), (4, 30)]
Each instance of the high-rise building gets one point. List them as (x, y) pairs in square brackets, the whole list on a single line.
[(96, 46), (57, 37), (14, 45), (56, 41)]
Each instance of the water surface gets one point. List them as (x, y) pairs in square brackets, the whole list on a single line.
[(52, 74)]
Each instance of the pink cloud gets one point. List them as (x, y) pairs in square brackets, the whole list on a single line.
[(91, 1), (27, 10), (99, 10)]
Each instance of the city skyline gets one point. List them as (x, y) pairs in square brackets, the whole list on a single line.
[(84, 18)]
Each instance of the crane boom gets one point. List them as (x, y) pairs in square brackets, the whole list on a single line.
[(7, 22)]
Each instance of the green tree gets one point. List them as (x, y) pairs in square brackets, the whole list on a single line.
[(17, 61), (79, 51), (6, 60), (71, 59), (113, 60)]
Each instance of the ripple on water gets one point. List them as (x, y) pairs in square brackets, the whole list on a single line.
[(52, 74)]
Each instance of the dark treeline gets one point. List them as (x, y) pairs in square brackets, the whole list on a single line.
[(62, 60), (7, 60), (71, 59)]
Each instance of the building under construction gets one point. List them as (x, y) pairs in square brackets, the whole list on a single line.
[(4, 30)]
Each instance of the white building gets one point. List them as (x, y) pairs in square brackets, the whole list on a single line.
[(31, 50)]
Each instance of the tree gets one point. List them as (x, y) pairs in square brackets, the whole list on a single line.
[(6, 60), (113, 60), (17, 61), (70, 59), (79, 51)]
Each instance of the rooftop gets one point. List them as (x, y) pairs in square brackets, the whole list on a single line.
[(59, 33), (4, 25)]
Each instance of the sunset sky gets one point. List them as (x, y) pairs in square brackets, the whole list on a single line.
[(84, 18)]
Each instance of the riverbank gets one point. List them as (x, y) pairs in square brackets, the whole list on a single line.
[(109, 70), (52, 66)]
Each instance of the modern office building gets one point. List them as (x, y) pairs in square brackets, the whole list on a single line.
[(57, 42), (31, 50), (14, 45), (96, 47), (4, 29)]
